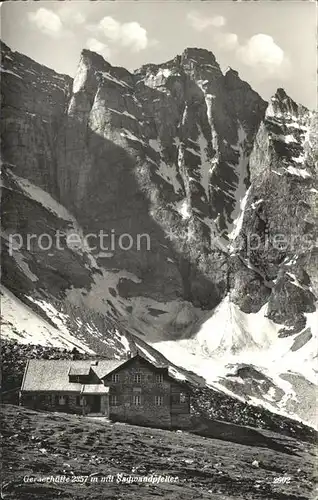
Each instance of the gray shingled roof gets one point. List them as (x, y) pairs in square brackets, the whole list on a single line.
[(79, 369), (52, 374)]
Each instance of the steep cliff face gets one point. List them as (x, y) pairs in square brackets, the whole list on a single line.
[(34, 100), (170, 146), (279, 224), (215, 191)]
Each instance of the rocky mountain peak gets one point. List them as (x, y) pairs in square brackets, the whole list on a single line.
[(200, 56), (93, 59), (281, 105), (233, 81)]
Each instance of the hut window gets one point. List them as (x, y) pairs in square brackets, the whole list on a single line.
[(62, 400), (159, 400), (183, 397), (137, 399), (113, 400)]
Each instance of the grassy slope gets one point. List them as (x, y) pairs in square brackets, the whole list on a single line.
[(48, 443)]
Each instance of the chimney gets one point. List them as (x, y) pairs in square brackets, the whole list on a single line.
[(129, 355)]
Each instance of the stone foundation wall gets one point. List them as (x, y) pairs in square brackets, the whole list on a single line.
[(50, 402), (181, 421), (141, 415)]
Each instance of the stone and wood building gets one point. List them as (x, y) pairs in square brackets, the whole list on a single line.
[(133, 390)]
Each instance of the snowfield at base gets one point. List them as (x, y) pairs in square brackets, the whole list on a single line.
[(229, 336), (228, 333)]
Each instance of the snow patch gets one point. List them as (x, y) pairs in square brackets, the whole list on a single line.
[(241, 193), (205, 166), (191, 150), (254, 205), (167, 172), (288, 139), (298, 172), (113, 79), (23, 265), (183, 208), (80, 77), (124, 341), (298, 159), (42, 197), (165, 72), (129, 135), (3, 70), (148, 356), (295, 280), (21, 323)]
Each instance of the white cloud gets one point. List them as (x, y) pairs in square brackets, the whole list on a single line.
[(110, 28), (96, 46), (134, 35), (262, 53), (261, 48), (226, 41), (200, 23), (218, 21), (71, 16), (47, 21), (57, 24), (130, 34)]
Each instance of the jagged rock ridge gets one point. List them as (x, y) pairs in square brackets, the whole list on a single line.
[(188, 155)]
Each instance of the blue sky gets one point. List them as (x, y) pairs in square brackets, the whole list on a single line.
[(271, 44)]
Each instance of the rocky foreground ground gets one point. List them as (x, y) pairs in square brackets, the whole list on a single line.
[(88, 456)]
